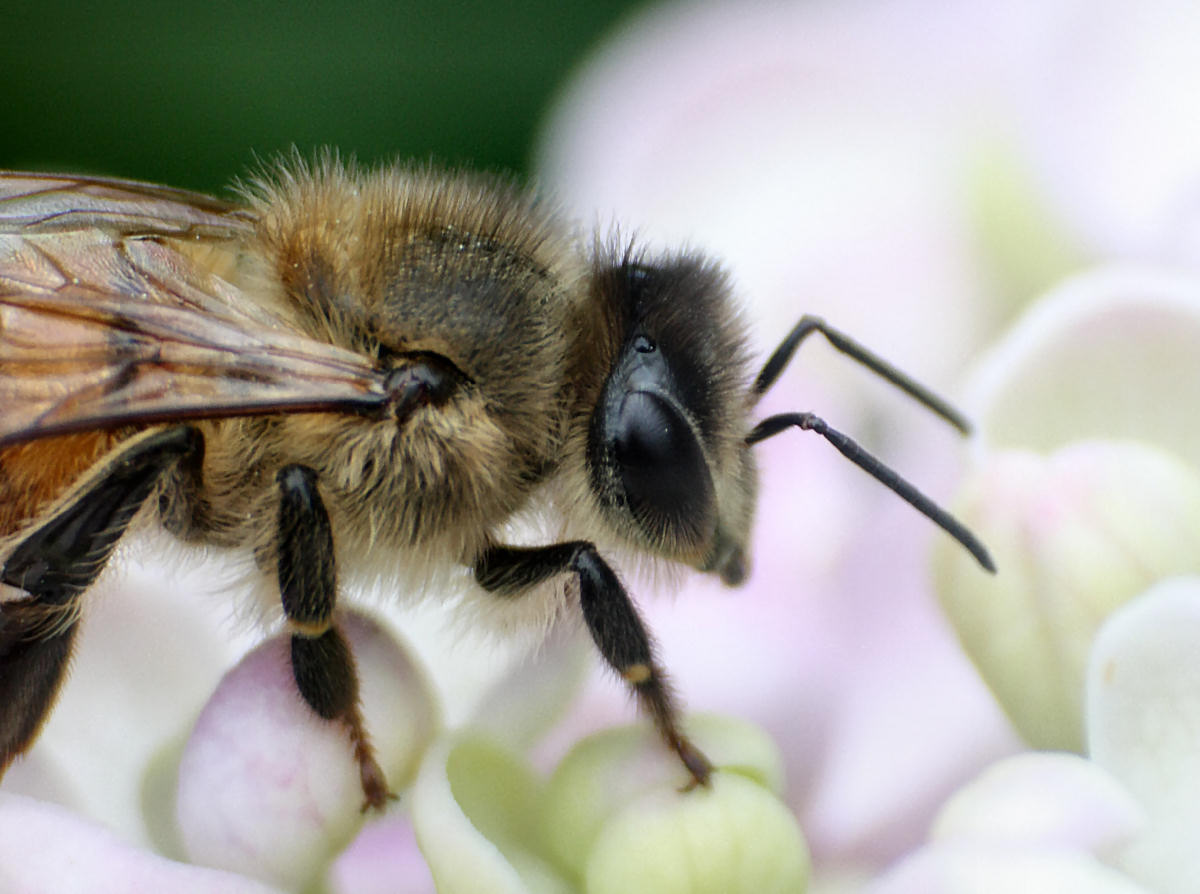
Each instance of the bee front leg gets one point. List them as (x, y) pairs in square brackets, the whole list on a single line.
[(322, 662), (613, 621), (56, 562)]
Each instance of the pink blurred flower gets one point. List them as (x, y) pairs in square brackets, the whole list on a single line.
[(255, 786), (1108, 132)]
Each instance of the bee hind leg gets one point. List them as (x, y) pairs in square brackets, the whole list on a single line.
[(322, 662), (31, 669), (55, 563), (613, 621)]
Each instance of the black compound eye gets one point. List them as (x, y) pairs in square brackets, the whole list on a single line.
[(662, 469)]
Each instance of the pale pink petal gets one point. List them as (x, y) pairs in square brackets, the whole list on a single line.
[(384, 859), (910, 718), (266, 787), (46, 849), (821, 150)]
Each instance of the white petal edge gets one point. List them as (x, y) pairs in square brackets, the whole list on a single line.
[(1109, 354), (976, 869), (1143, 710), (522, 706), (1041, 799), (461, 859)]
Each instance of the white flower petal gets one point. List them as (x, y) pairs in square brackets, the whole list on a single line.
[(818, 148), (1143, 716), (531, 696), (977, 869), (1111, 354), (473, 810), (152, 645), (1041, 799)]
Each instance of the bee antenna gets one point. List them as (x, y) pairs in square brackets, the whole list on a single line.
[(782, 355), (882, 473)]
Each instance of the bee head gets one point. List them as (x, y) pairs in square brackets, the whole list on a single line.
[(667, 457)]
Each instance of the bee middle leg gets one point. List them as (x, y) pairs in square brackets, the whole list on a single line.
[(613, 621), (56, 562), (322, 663)]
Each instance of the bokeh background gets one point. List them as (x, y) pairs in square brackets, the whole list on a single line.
[(189, 93)]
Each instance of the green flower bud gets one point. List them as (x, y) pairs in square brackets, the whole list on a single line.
[(732, 838), (616, 817)]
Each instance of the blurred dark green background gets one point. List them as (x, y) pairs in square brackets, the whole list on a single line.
[(187, 94)]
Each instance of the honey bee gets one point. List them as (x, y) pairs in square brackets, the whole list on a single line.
[(384, 366)]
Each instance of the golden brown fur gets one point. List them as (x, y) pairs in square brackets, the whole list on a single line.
[(379, 265), (372, 263)]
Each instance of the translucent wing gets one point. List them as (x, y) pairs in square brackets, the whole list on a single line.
[(114, 310)]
